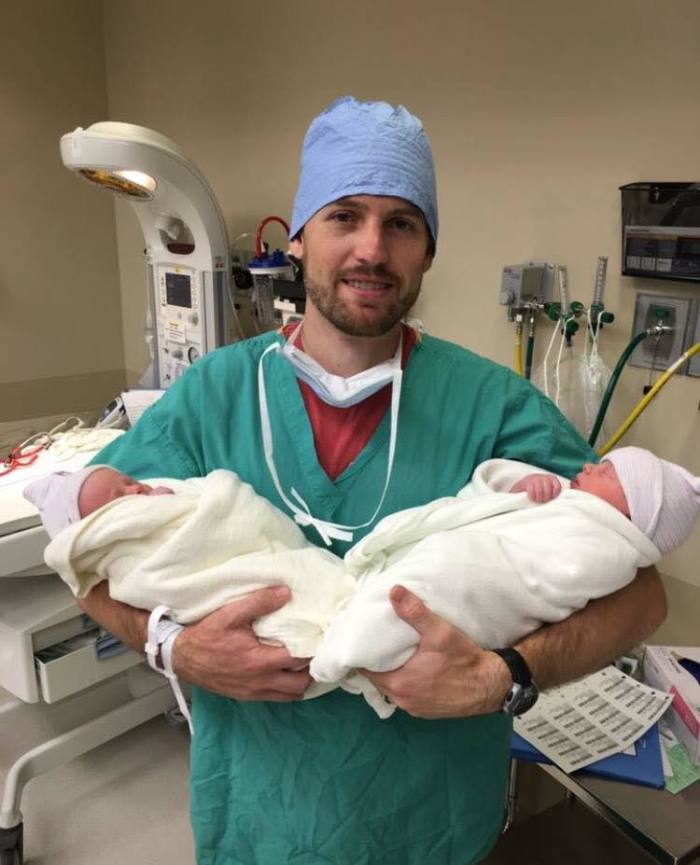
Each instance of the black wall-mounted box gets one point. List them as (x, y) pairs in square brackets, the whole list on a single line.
[(661, 230)]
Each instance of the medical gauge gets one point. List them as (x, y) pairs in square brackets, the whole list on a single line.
[(190, 309), (575, 381), (525, 284), (526, 289)]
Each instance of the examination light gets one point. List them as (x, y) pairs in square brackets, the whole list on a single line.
[(186, 239), (133, 184)]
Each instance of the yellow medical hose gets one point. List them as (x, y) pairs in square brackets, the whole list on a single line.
[(644, 402), (519, 348)]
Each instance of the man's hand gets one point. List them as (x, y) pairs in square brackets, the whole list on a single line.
[(539, 488), (222, 654), (449, 676)]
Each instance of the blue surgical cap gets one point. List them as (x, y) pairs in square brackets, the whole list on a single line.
[(370, 148)]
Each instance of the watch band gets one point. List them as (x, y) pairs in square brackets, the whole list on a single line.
[(523, 693), (517, 665)]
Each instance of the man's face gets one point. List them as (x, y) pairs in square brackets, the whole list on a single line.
[(364, 259), (601, 480), (105, 485)]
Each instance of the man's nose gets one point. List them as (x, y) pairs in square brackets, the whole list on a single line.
[(371, 246)]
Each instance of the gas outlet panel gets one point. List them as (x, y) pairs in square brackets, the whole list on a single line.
[(676, 313)]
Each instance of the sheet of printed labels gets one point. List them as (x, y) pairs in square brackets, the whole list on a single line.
[(592, 718)]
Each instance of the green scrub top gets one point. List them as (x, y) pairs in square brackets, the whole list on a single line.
[(325, 780)]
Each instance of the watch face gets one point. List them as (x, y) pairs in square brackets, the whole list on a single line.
[(520, 698)]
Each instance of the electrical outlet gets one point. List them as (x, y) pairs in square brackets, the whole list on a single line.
[(672, 312)]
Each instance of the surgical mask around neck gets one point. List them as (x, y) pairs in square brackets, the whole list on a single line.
[(296, 504), (336, 390)]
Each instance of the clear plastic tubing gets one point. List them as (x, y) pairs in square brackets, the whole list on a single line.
[(264, 300)]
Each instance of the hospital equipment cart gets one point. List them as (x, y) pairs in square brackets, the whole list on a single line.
[(37, 611)]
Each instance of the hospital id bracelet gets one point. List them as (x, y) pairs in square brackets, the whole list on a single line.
[(523, 692), (161, 635)]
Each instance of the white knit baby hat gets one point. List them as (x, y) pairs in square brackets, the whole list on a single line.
[(663, 498), (56, 497)]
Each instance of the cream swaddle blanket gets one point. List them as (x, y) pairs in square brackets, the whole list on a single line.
[(491, 562), (215, 541)]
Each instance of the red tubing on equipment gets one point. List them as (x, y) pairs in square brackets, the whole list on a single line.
[(259, 250)]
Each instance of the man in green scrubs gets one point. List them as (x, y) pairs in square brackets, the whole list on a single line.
[(276, 779)]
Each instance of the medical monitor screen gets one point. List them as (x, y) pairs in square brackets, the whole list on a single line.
[(178, 291)]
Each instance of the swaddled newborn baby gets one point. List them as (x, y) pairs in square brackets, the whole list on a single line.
[(494, 564), (498, 567), (193, 545)]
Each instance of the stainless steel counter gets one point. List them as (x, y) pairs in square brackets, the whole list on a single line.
[(666, 826)]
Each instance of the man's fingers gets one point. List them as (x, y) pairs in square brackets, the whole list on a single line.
[(271, 658), (241, 613), (293, 684), (411, 609)]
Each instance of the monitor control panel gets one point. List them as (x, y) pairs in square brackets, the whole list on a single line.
[(179, 316)]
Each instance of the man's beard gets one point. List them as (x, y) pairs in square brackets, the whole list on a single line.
[(348, 321)]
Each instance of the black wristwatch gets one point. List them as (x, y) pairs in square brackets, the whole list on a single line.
[(523, 693)]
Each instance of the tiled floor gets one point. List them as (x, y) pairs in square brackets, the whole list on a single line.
[(126, 801)]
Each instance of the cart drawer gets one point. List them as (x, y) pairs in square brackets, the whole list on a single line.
[(72, 672)]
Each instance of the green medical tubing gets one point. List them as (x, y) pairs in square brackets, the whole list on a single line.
[(645, 400), (607, 396), (528, 356)]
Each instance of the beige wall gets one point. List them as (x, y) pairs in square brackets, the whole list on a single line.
[(60, 313), (537, 113)]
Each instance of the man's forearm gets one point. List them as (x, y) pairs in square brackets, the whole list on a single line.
[(591, 638), (220, 652), (127, 623)]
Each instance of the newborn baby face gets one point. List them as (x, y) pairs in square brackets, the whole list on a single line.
[(105, 485), (601, 480)]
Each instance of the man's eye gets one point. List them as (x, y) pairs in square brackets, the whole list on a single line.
[(404, 224), (342, 216)]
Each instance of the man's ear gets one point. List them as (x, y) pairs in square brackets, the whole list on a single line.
[(296, 246), (428, 263)]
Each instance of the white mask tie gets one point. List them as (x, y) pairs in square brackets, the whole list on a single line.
[(327, 530)]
